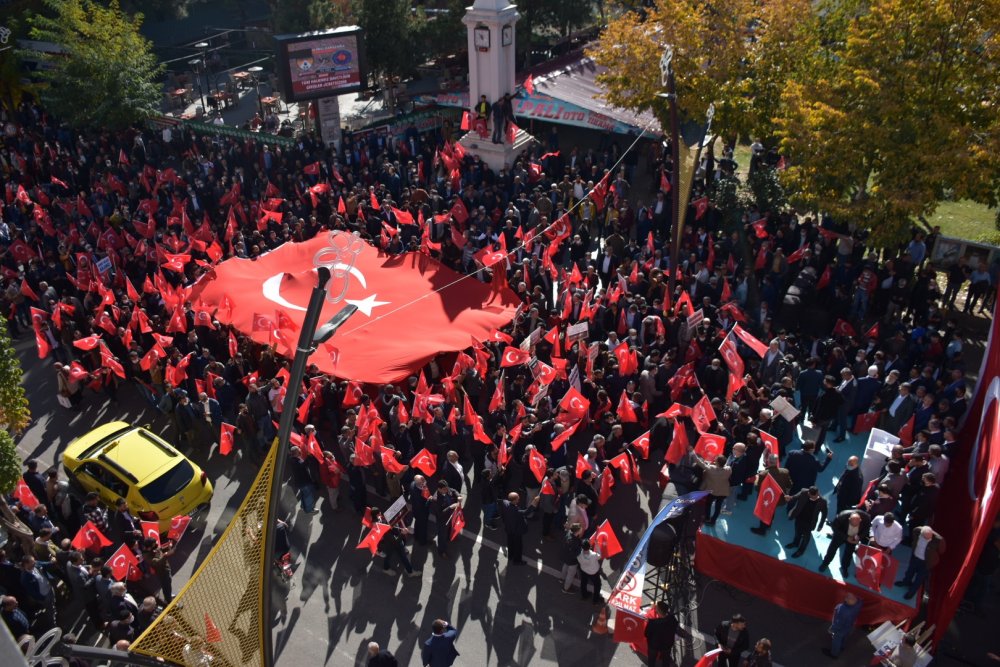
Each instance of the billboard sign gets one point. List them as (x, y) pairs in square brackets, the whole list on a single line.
[(313, 65)]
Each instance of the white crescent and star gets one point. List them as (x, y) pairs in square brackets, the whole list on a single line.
[(271, 289), (768, 497), (870, 570)]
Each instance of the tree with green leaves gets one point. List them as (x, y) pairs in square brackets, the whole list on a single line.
[(290, 16), (895, 110), (106, 76), (393, 47), (14, 413)]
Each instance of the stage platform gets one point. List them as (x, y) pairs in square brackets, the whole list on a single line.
[(762, 567)]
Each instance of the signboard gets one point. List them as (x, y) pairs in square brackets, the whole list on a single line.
[(395, 509), (104, 264), (694, 319), (878, 449), (314, 65), (578, 331), (328, 109), (543, 107)]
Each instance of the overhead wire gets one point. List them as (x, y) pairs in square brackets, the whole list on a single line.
[(508, 254)]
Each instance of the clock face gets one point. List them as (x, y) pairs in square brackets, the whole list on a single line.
[(482, 37), (507, 35)]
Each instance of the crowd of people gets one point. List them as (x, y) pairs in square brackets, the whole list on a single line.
[(103, 234)]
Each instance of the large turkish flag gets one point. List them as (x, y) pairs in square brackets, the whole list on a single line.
[(410, 307)]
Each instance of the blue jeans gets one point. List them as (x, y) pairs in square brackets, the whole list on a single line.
[(837, 640), (489, 513), (307, 495)]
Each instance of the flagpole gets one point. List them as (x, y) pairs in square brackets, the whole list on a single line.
[(308, 337)]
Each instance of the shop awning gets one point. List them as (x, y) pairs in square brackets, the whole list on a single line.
[(567, 95)]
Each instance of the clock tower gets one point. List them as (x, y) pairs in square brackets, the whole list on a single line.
[(491, 26)]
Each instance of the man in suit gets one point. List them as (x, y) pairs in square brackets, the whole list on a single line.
[(927, 549), (868, 388), (849, 486), (809, 510), (660, 634), (827, 408), (809, 383), (783, 479), (850, 528), (443, 505), (900, 410), (733, 639), (803, 466), (925, 501), (848, 391), (515, 525), (439, 650)]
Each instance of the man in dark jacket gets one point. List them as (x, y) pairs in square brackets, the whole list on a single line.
[(850, 528), (660, 634), (733, 639), (809, 383), (848, 390), (803, 466), (380, 657), (809, 510), (827, 407), (305, 477), (439, 650), (848, 489), (515, 525)]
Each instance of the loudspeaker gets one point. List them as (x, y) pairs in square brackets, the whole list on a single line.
[(662, 543)]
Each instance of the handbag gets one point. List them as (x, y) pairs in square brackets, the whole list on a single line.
[(64, 401)]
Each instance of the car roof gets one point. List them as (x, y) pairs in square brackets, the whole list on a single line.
[(130, 450)]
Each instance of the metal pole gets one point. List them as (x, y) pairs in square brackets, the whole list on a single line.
[(303, 349), (255, 73), (675, 184)]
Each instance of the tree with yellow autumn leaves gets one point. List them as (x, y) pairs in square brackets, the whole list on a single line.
[(882, 108)]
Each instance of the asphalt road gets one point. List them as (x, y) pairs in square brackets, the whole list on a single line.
[(507, 616)]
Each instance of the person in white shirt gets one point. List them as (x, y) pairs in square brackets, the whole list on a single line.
[(887, 533), (590, 571)]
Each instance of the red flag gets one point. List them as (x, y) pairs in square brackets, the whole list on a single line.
[(581, 466), (390, 462), (233, 346), (26, 497), (626, 413), (625, 466), (513, 356), (42, 343), (749, 340), (122, 562), (607, 481), (906, 433), (457, 522), (642, 444), (700, 207), (770, 444), (866, 421), (675, 410), (226, 438), (605, 542), (709, 446), (873, 332), (466, 121), (629, 629), (538, 464), (88, 343), (685, 301), (212, 633), (425, 462), (529, 85), (842, 328), (302, 414), (824, 279), (561, 439), (869, 562), (678, 444), (767, 499), (151, 530), (373, 537), (710, 659), (760, 228), (797, 255), (311, 169), (90, 538), (732, 357), (761, 260), (664, 181), (178, 525), (27, 291), (702, 414), (498, 401)]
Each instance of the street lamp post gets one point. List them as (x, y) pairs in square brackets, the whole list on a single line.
[(667, 80), (309, 338), (204, 72), (255, 73)]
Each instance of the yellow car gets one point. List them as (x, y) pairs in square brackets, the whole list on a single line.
[(119, 460)]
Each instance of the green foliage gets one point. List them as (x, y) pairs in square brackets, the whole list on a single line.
[(392, 44), (766, 191), (563, 16), (10, 463), (304, 15), (107, 77), (14, 413)]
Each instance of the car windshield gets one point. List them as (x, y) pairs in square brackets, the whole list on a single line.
[(169, 483)]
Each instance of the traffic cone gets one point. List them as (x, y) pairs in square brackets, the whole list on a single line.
[(600, 624)]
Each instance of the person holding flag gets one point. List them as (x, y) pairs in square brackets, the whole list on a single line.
[(850, 528), (515, 525), (772, 484)]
